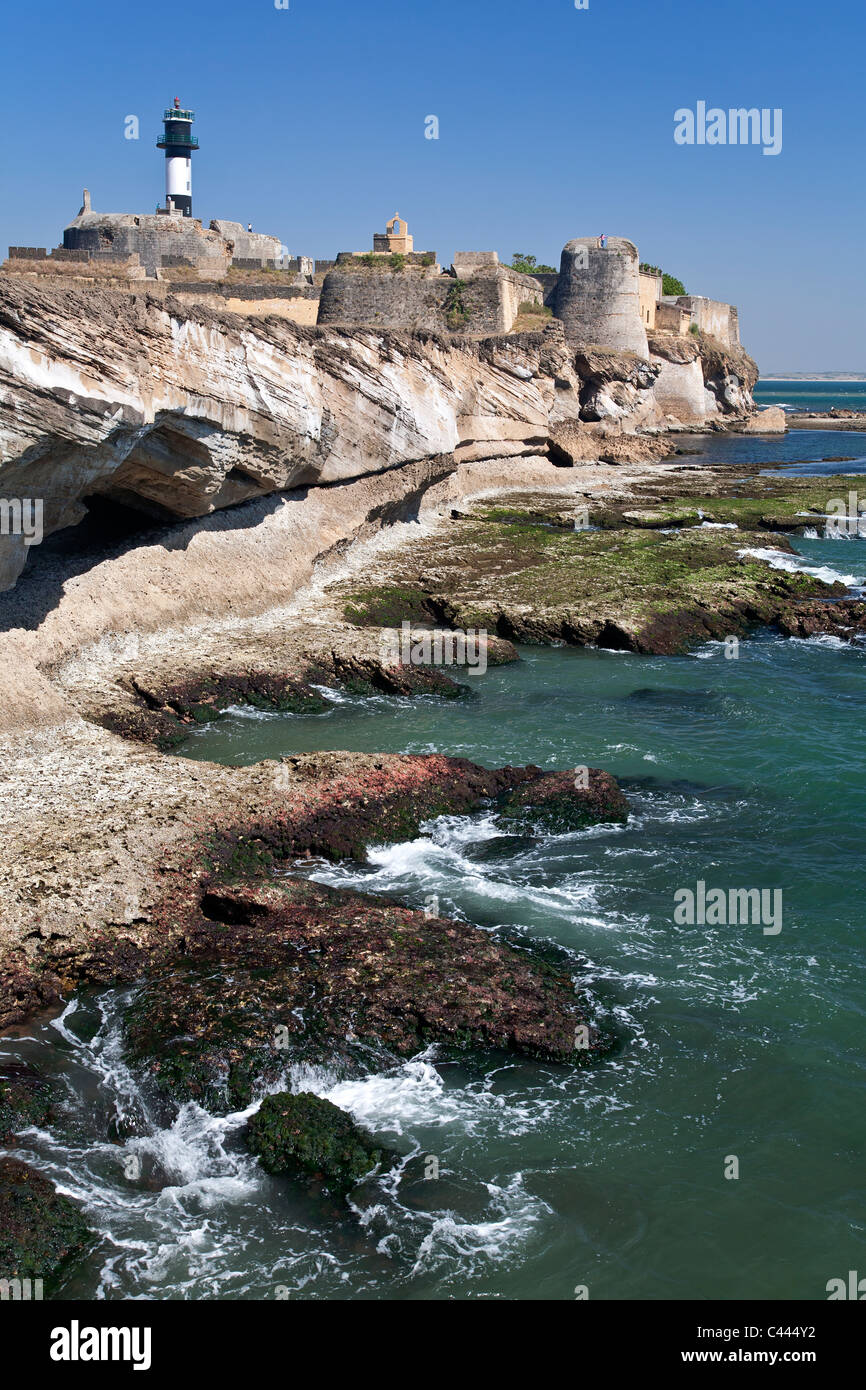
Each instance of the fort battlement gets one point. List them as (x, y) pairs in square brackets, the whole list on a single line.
[(601, 295)]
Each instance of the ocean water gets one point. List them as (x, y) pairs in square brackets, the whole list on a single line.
[(812, 395), (738, 1049), (798, 452)]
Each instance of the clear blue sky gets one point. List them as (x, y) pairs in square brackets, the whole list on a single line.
[(554, 122)]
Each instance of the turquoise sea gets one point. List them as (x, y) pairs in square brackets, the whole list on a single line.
[(812, 395)]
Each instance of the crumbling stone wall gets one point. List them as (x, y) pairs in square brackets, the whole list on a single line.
[(720, 321), (157, 240), (248, 246)]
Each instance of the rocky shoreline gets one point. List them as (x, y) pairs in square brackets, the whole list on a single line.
[(127, 865)]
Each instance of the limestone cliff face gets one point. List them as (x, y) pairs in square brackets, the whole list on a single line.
[(178, 411), (700, 378)]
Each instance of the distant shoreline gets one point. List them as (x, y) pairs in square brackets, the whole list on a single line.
[(826, 380)]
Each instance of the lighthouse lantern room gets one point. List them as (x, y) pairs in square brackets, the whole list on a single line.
[(178, 142)]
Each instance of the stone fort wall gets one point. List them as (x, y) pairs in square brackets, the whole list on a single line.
[(713, 317), (485, 303), (163, 240)]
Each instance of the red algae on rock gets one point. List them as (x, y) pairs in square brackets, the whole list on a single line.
[(248, 959)]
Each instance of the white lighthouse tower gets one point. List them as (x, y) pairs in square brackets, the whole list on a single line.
[(178, 142)]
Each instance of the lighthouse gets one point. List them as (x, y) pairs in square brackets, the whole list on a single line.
[(178, 142)]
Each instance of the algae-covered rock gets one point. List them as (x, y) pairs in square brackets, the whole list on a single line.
[(563, 801), (303, 972), (25, 1099), (306, 1135), (39, 1229), (656, 589)]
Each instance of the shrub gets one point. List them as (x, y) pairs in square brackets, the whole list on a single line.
[(457, 311), (671, 285)]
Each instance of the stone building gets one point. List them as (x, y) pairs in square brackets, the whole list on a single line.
[(650, 284), (672, 317), (395, 240), (711, 316)]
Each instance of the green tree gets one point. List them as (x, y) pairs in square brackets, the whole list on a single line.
[(525, 264), (671, 285)]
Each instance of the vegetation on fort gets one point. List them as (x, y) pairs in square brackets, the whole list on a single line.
[(375, 260), (529, 317), (457, 311), (526, 264), (540, 310), (670, 283)]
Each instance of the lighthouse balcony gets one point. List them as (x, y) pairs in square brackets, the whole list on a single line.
[(177, 137)]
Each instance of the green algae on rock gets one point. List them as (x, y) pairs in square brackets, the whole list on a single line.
[(563, 801), (25, 1099), (763, 502), (40, 1230), (630, 588), (165, 715), (305, 1135)]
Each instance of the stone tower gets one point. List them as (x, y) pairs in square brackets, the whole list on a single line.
[(598, 295)]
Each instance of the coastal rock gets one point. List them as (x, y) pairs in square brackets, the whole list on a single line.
[(845, 620), (274, 975), (25, 1099), (771, 420), (169, 410), (572, 443), (563, 801), (729, 375), (632, 587), (306, 1136), (617, 385), (178, 411), (40, 1230)]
